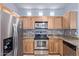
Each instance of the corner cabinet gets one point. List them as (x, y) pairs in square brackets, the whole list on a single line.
[(28, 46), (66, 24), (73, 20), (70, 20), (55, 46)]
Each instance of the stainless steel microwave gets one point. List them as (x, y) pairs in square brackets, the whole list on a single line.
[(41, 25)]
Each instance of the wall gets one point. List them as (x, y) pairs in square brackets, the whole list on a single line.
[(78, 22), (46, 12), (12, 7), (23, 12)]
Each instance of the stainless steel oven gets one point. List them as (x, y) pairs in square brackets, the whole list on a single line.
[(41, 39), (41, 44)]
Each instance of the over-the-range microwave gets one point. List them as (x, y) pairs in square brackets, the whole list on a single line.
[(41, 25)]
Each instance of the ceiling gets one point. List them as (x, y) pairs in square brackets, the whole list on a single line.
[(23, 8), (36, 7), (40, 5)]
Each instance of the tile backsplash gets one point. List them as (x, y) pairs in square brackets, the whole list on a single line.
[(32, 32), (70, 32)]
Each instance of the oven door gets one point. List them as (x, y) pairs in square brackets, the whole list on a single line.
[(41, 44)]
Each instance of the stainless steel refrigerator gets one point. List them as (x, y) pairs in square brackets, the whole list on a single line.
[(10, 35), (17, 37)]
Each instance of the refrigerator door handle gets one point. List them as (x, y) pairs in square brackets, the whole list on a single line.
[(15, 39)]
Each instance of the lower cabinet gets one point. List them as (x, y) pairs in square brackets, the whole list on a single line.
[(55, 46), (28, 46), (69, 49), (77, 51)]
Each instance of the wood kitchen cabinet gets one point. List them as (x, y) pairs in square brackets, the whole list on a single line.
[(50, 22), (41, 18), (58, 22), (70, 20), (66, 22), (73, 20), (77, 51), (28, 22), (28, 46), (55, 46)]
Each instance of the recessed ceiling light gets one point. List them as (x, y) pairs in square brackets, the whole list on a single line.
[(40, 13), (29, 13), (52, 13)]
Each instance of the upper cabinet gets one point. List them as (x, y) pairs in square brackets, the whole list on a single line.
[(73, 20), (50, 22), (54, 22), (41, 18), (70, 20), (58, 22), (66, 21), (28, 22)]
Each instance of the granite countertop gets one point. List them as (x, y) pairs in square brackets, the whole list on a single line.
[(72, 40)]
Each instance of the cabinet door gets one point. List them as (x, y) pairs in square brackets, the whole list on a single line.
[(73, 20), (28, 46), (61, 46), (56, 46), (51, 47), (33, 19), (58, 22), (41, 18), (27, 22), (77, 51), (50, 22), (66, 20)]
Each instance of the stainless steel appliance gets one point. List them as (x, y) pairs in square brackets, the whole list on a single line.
[(6, 40), (10, 36), (17, 38), (41, 42), (7, 45), (41, 25), (41, 39), (41, 45)]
